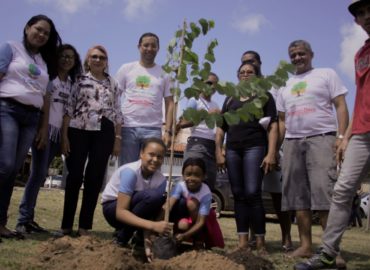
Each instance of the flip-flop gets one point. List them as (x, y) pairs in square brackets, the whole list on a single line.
[(287, 249)]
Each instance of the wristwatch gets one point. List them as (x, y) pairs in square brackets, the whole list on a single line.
[(340, 137)]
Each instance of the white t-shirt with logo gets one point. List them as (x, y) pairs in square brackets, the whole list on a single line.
[(202, 130), (128, 179), (26, 78), (143, 93), (307, 101)]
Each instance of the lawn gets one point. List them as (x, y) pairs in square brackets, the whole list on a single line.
[(13, 253)]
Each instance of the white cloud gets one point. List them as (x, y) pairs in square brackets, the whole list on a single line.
[(353, 38), (72, 6), (250, 24), (134, 9)]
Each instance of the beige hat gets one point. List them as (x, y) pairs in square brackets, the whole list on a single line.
[(355, 4)]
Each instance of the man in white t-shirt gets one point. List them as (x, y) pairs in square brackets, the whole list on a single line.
[(201, 142), (144, 86), (309, 125)]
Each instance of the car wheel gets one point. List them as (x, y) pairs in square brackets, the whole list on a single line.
[(362, 213), (217, 204)]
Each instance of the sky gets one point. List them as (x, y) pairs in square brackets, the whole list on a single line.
[(267, 26)]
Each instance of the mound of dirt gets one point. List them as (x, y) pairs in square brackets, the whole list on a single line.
[(92, 253)]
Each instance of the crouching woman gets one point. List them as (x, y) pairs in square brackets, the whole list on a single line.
[(134, 195)]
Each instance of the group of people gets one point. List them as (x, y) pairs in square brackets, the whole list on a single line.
[(48, 101), (54, 104)]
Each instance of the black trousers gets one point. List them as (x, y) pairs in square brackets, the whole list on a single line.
[(96, 147)]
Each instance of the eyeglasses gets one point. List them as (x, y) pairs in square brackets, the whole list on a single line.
[(67, 57), (209, 83), (98, 57), (243, 72)]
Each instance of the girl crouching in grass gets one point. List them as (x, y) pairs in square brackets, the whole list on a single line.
[(190, 205)]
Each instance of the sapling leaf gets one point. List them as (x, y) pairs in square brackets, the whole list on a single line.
[(195, 29), (191, 92), (231, 118), (210, 57), (204, 25)]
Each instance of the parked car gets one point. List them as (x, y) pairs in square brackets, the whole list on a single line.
[(364, 205), (222, 197), (54, 181)]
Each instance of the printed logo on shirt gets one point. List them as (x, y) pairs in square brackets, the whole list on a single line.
[(299, 89), (33, 71), (143, 82)]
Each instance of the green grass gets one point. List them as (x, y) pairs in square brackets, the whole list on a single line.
[(355, 243)]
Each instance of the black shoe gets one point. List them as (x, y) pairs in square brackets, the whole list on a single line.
[(29, 227), (36, 227), (60, 233), (22, 228), (318, 261)]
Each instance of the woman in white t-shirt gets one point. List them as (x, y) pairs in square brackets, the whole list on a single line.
[(59, 89), (25, 68)]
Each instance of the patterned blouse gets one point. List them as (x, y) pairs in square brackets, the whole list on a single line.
[(92, 99)]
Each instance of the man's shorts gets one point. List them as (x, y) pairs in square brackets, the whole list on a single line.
[(309, 172)]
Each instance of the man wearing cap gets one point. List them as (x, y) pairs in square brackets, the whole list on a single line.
[(309, 124), (201, 142), (355, 164)]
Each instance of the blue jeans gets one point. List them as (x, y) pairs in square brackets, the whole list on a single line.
[(18, 127), (41, 160), (145, 204), (245, 176), (204, 149), (132, 140)]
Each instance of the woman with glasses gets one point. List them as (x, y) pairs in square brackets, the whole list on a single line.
[(59, 89), (250, 153), (91, 133), (25, 68)]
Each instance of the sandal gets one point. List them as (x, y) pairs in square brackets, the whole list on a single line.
[(287, 249)]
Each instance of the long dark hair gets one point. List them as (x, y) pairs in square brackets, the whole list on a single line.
[(255, 54), (48, 51), (76, 70)]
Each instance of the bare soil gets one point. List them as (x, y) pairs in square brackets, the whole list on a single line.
[(92, 253)]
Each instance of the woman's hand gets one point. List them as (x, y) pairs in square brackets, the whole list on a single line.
[(180, 237), (41, 138), (167, 139), (163, 227), (268, 163), (221, 162), (117, 146), (65, 146)]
